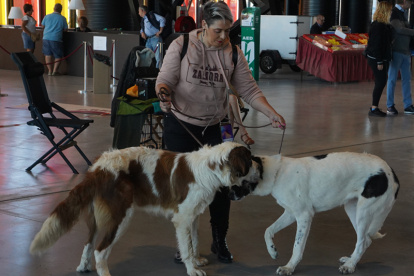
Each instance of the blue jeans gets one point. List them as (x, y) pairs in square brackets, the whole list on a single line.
[(152, 43), (400, 62)]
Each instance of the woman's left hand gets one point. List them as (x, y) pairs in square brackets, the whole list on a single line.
[(277, 121)]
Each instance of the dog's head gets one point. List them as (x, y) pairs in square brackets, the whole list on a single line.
[(239, 192), (238, 166)]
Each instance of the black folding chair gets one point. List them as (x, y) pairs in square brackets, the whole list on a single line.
[(40, 104)]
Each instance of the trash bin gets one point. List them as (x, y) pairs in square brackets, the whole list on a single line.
[(101, 74)]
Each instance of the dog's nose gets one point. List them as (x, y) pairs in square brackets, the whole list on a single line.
[(232, 195)]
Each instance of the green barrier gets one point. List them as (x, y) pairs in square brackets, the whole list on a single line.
[(250, 41)]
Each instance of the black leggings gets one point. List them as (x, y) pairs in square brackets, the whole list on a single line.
[(177, 139), (381, 77)]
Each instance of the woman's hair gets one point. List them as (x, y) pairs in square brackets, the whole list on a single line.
[(83, 21), (27, 8), (213, 11), (383, 12)]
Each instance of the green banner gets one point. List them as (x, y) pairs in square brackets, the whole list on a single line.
[(250, 38)]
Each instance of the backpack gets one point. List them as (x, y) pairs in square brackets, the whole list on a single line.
[(154, 22), (185, 46)]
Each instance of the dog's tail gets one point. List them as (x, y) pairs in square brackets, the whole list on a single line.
[(65, 216), (378, 235)]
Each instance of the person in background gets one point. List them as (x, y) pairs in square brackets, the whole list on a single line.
[(379, 53), (54, 25), (317, 28), (401, 58), (198, 86), (152, 26), (83, 25), (29, 29)]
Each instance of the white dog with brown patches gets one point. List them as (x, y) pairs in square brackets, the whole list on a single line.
[(177, 185), (363, 183)]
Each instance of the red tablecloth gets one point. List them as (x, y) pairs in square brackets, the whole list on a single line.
[(340, 66)]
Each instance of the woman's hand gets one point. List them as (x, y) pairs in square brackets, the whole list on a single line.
[(165, 99), (277, 121), (380, 67)]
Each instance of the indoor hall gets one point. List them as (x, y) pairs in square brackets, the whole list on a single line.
[(321, 118)]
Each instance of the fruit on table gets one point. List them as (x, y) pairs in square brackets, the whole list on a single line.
[(334, 42), (363, 41)]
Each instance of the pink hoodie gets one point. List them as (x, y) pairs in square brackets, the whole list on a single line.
[(198, 82)]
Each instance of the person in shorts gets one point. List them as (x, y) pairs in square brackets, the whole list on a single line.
[(29, 28), (54, 25)]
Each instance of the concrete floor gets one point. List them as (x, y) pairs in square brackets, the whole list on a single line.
[(321, 118)]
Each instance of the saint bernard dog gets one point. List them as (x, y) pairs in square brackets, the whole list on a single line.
[(177, 185), (363, 183)]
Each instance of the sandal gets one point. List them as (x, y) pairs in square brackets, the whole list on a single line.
[(246, 139)]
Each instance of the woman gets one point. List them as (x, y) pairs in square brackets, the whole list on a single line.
[(379, 53), (198, 86), (83, 25), (29, 29)]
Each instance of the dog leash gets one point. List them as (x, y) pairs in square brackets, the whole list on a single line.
[(281, 142), (162, 99), (164, 92)]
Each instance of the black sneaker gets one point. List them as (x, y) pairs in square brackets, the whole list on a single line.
[(409, 110), (392, 110), (376, 113)]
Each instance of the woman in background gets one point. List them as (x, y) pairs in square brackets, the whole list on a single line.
[(29, 29), (379, 53), (83, 25)]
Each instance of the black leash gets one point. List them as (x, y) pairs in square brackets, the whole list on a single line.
[(161, 97)]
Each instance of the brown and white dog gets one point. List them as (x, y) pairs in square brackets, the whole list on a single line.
[(363, 183), (177, 185)]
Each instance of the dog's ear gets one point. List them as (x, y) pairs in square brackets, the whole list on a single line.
[(258, 160), (240, 161)]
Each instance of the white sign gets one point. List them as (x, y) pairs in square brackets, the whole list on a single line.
[(340, 34), (99, 43), (247, 19)]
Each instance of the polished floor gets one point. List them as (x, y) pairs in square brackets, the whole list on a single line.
[(321, 118)]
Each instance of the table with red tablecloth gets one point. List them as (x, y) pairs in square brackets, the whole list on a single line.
[(339, 66)]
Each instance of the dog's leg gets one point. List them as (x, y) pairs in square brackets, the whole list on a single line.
[(350, 209), (112, 236), (304, 222), (370, 218), (86, 260), (200, 261), (183, 225), (282, 222)]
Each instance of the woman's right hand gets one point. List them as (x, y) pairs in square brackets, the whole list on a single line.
[(165, 99)]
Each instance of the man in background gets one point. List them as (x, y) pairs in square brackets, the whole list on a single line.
[(317, 27), (401, 58), (54, 25), (152, 26)]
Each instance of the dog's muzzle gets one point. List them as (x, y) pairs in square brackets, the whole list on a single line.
[(239, 192)]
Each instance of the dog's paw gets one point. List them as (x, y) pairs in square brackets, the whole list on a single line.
[(84, 268), (196, 272), (343, 269), (343, 260), (273, 251), (284, 270), (201, 261)]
